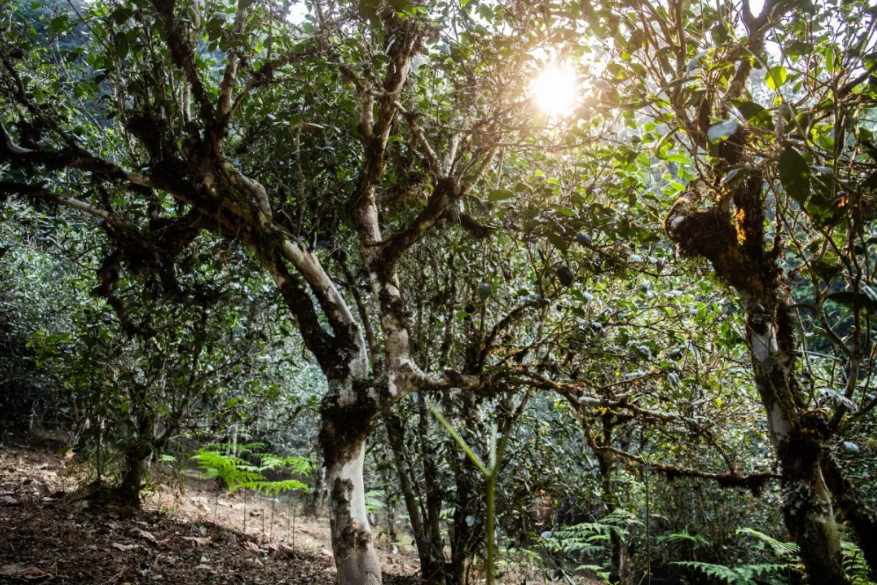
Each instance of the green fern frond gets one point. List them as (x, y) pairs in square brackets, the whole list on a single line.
[(855, 564), (742, 575), (234, 471), (684, 536), (275, 487), (787, 551)]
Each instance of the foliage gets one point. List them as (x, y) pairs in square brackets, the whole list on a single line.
[(232, 219), (233, 471), (238, 473), (740, 575)]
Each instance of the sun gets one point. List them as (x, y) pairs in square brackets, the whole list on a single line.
[(555, 90)]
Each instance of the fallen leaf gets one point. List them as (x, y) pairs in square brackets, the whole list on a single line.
[(8, 501), (200, 541), (125, 547), (22, 572), (146, 536), (251, 546)]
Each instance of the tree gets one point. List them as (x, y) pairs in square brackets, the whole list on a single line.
[(370, 150), (175, 164), (774, 191)]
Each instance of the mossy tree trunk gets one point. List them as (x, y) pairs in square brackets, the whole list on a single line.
[(734, 243), (858, 514)]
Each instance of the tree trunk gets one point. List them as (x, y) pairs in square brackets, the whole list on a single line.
[(434, 499), (314, 504), (799, 438), (736, 247), (132, 481), (808, 514), (464, 535), (355, 556), (431, 569), (468, 531), (342, 440), (620, 570)]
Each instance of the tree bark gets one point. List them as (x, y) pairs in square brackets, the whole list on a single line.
[(346, 422), (735, 245), (431, 569), (433, 494), (620, 570), (132, 481)]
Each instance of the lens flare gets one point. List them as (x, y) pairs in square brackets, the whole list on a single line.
[(555, 90)]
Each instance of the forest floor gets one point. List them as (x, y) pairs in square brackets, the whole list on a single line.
[(185, 535)]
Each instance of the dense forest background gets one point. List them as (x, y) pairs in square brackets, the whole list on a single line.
[(574, 290)]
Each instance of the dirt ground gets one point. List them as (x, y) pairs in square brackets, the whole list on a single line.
[(184, 535)]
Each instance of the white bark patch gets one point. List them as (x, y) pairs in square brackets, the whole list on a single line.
[(764, 345), (391, 383), (676, 222), (358, 366), (344, 391), (778, 425), (351, 471)]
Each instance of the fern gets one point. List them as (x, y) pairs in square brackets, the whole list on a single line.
[(233, 471), (787, 551), (275, 487), (294, 462), (589, 538), (373, 502), (695, 540), (742, 575), (854, 564)]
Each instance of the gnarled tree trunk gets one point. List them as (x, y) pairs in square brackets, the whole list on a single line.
[(861, 519), (735, 246), (345, 426)]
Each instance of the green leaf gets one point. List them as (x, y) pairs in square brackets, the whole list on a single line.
[(825, 270), (776, 77), (368, 9), (754, 113), (722, 131), (558, 241), (848, 299), (565, 275), (500, 195), (795, 175)]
